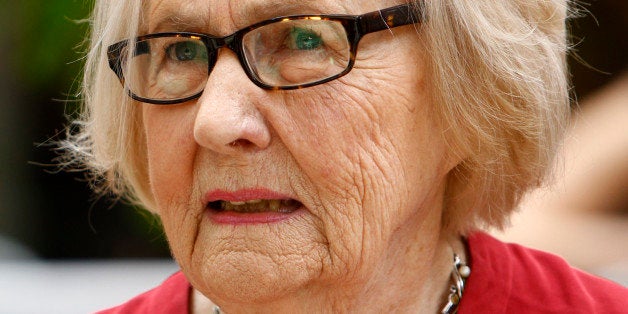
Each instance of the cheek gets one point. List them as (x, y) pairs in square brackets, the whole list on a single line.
[(346, 135), (171, 150), (360, 152), (324, 138)]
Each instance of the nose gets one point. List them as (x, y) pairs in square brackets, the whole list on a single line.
[(228, 120)]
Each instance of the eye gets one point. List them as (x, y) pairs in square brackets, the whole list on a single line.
[(304, 39), (187, 51)]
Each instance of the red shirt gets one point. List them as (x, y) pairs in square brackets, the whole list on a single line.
[(509, 278), (170, 297), (505, 278)]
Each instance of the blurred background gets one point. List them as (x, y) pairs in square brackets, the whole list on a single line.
[(53, 229)]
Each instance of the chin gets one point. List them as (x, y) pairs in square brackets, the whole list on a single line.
[(250, 278), (254, 263)]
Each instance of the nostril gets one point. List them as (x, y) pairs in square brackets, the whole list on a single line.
[(243, 143)]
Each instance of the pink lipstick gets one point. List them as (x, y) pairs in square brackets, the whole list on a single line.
[(249, 206)]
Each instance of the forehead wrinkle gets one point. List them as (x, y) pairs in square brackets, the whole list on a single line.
[(274, 8), (223, 18), (166, 15)]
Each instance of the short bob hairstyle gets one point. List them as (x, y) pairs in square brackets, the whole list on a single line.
[(497, 76)]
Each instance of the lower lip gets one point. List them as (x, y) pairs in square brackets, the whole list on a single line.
[(234, 218)]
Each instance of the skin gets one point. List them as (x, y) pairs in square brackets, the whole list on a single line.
[(363, 153)]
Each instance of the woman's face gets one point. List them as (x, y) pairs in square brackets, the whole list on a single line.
[(265, 194)]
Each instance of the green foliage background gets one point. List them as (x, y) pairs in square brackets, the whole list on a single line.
[(54, 215)]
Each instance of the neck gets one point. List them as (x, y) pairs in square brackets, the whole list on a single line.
[(406, 287)]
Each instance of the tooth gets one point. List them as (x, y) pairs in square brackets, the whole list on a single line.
[(229, 206), (253, 201), (237, 203), (274, 205)]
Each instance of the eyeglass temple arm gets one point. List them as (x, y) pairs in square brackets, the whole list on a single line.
[(388, 18), (114, 55)]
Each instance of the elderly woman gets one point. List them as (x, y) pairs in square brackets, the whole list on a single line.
[(334, 156)]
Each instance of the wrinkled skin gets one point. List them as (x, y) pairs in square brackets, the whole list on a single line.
[(364, 154)]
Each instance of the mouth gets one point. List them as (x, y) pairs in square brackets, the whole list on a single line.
[(282, 206)]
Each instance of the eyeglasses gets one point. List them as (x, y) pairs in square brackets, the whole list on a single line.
[(278, 54)]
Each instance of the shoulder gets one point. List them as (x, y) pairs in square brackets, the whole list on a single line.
[(509, 278), (169, 297)]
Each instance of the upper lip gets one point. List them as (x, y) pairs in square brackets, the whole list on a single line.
[(243, 195)]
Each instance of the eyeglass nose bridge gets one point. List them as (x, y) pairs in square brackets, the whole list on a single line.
[(232, 42), (215, 43)]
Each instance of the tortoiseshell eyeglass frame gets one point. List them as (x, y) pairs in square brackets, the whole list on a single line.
[(356, 26)]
